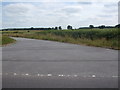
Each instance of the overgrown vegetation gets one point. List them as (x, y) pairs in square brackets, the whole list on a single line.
[(93, 37)]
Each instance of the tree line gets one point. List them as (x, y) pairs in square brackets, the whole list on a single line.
[(69, 27)]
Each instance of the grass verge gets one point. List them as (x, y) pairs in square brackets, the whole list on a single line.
[(4, 40)]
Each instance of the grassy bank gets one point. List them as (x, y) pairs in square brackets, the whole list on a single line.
[(4, 40), (107, 38)]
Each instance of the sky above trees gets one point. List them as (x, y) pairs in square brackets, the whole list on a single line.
[(51, 13)]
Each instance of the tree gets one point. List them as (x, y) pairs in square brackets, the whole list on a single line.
[(69, 27), (60, 28), (32, 28), (102, 26), (117, 26), (91, 26), (56, 28), (53, 28)]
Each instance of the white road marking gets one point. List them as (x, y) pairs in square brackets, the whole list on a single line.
[(26, 74), (75, 75), (93, 76), (15, 74), (49, 75), (62, 75)]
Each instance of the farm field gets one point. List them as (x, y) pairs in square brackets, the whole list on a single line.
[(107, 38)]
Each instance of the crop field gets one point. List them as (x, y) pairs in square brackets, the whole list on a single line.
[(107, 38)]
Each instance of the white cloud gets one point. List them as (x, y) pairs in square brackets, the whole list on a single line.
[(17, 9), (17, 14), (61, 0), (71, 10), (44, 14)]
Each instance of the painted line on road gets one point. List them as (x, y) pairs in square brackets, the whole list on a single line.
[(60, 75)]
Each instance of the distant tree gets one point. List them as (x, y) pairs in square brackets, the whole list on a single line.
[(117, 26), (69, 27), (102, 26), (52, 28), (60, 28), (56, 28), (49, 28), (32, 28), (91, 26)]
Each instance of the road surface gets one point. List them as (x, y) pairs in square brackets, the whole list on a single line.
[(31, 63)]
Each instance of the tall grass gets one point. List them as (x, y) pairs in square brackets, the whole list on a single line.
[(88, 33), (93, 37)]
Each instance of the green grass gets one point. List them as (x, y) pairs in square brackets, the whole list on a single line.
[(107, 38), (4, 40)]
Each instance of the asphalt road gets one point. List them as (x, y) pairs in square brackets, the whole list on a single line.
[(33, 63)]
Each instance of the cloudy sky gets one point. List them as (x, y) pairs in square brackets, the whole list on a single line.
[(51, 13)]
